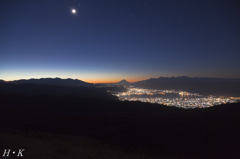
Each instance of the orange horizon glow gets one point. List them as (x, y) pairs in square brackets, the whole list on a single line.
[(111, 81), (131, 81), (88, 81)]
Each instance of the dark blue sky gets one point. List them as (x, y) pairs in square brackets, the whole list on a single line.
[(109, 40)]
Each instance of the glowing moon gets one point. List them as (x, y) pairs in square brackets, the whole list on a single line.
[(73, 11)]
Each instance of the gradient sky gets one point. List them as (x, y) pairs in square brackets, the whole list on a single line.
[(111, 40)]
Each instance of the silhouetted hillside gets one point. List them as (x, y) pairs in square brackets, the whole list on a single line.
[(54, 81), (37, 89), (204, 86), (210, 133)]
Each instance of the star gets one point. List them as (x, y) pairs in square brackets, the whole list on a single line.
[(73, 11)]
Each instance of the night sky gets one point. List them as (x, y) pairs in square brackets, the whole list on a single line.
[(111, 40)]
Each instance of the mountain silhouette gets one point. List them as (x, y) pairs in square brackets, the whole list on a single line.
[(203, 85), (54, 81), (122, 82)]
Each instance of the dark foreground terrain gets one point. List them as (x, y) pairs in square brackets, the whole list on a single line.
[(135, 128)]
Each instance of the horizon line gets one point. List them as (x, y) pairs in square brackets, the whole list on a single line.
[(90, 81)]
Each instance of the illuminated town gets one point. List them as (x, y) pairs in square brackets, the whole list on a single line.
[(184, 100)]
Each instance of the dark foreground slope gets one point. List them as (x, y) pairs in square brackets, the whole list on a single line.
[(56, 90), (154, 129)]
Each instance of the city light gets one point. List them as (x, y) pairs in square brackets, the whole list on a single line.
[(185, 100)]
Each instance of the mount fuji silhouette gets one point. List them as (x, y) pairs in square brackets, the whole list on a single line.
[(122, 82)]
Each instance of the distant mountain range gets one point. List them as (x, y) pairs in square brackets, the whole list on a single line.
[(202, 85), (205, 85), (54, 81), (63, 82)]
